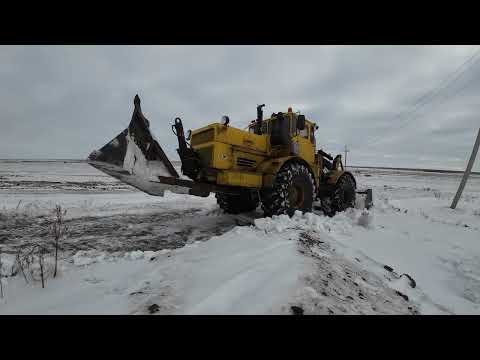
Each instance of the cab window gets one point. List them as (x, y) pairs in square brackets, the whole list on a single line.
[(265, 127), (312, 136)]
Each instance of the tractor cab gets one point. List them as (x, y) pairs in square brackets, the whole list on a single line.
[(295, 125)]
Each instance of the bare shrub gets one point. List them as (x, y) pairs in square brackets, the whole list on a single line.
[(1, 275), (20, 263), (37, 260), (59, 230), (30, 259)]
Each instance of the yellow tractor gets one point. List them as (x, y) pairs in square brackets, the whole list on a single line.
[(273, 163)]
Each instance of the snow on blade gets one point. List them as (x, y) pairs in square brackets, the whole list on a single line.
[(136, 163), (136, 170)]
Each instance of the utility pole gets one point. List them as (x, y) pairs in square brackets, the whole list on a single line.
[(346, 151), (467, 172)]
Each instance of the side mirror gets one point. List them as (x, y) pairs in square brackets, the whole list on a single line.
[(301, 122)]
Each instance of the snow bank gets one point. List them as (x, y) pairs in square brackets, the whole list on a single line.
[(244, 271), (417, 233), (147, 255), (84, 257), (342, 223), (262, 269)]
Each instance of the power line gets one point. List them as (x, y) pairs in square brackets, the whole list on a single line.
[(430, 95)]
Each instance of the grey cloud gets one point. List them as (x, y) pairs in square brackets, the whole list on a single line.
[(64, 101)]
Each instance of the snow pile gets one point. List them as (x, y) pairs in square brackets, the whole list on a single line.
[(147, 255), (366, 219), (243, 271), (417, 233), (344, 280), (277, 265), (341, 223), (85, 257), (88, 257)]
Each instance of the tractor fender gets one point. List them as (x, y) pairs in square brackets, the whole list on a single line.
[(333, 178), (271, 167)]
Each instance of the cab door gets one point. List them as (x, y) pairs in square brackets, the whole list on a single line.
[(303, 141), (306, 147)]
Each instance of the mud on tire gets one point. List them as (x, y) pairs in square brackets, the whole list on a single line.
[(293, 189), (236, 204)]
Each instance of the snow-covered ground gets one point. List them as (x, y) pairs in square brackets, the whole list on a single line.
[(128, 252)]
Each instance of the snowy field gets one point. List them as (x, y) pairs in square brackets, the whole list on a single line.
[(130, 253)]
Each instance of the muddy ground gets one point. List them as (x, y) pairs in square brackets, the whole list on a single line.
[(120, 232)]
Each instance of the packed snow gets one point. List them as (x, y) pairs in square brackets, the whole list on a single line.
[(130, 253)]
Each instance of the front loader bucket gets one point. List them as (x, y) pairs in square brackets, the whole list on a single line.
[(135, 157)]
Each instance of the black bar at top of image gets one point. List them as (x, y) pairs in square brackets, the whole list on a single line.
[(288, 23)]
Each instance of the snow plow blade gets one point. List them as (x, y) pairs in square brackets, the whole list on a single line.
[(135, 157), (365, 201)]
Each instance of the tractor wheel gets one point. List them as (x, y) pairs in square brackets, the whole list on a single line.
[(236, 204), (343, 197), (293, 189)]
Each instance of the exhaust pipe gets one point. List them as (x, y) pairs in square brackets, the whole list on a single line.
[(258, 121)]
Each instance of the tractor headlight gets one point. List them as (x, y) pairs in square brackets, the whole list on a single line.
[(189, 135), (225, 120)]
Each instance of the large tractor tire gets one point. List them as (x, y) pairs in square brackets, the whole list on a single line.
[(236, 204), (342, 197), (293, 189)]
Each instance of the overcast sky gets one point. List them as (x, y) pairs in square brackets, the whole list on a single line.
[(65, 101)]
